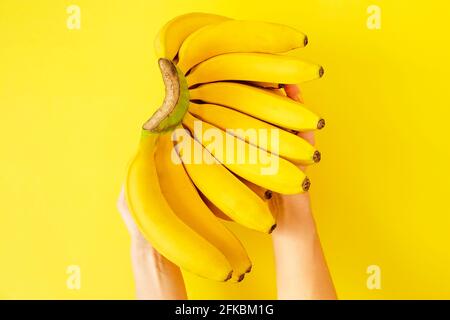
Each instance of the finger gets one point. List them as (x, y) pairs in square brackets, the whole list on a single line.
[(121, 202), (293, 92), (308, 136), (126, 215)]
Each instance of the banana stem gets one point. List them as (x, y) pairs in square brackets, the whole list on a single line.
[(176, 101)]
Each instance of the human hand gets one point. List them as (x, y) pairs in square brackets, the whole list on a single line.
[(136, 236), (298, 206), (156, 278), (301, 269)]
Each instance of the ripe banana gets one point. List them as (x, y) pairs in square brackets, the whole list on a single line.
[(267, 85), (222, 188), (259, 103), (290, 146), (230, 75), (185, 201), (217, 212), (247, 161), (237, 36), (171, 36), (259, 67), (159, 224), (264, 194)]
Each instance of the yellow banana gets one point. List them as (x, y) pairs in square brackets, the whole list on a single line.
[(217, 212), (185, 201), (259, 103), (263, 193), (289, 146), (221, 187), (159, 224), (259, 67), (247, 161), (171, 36), (237, 36), (267, 85)]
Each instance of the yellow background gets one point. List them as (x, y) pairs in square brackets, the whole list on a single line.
[(72, 102)]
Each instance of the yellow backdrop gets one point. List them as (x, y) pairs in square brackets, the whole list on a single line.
[(72, 102)]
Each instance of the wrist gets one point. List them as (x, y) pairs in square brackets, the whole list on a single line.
[(294, 216)]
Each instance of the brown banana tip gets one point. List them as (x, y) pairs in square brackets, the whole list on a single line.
[(321, 72), (249, 269), (306, 184), (268, 195), (272, 228), (317, 156), (305, 41), (229, 276), (321, 124), (241, 277)]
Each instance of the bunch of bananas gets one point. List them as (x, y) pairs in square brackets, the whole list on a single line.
[(223, 76)]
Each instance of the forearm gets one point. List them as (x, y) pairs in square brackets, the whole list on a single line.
[(156, 278), (302, 272)]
